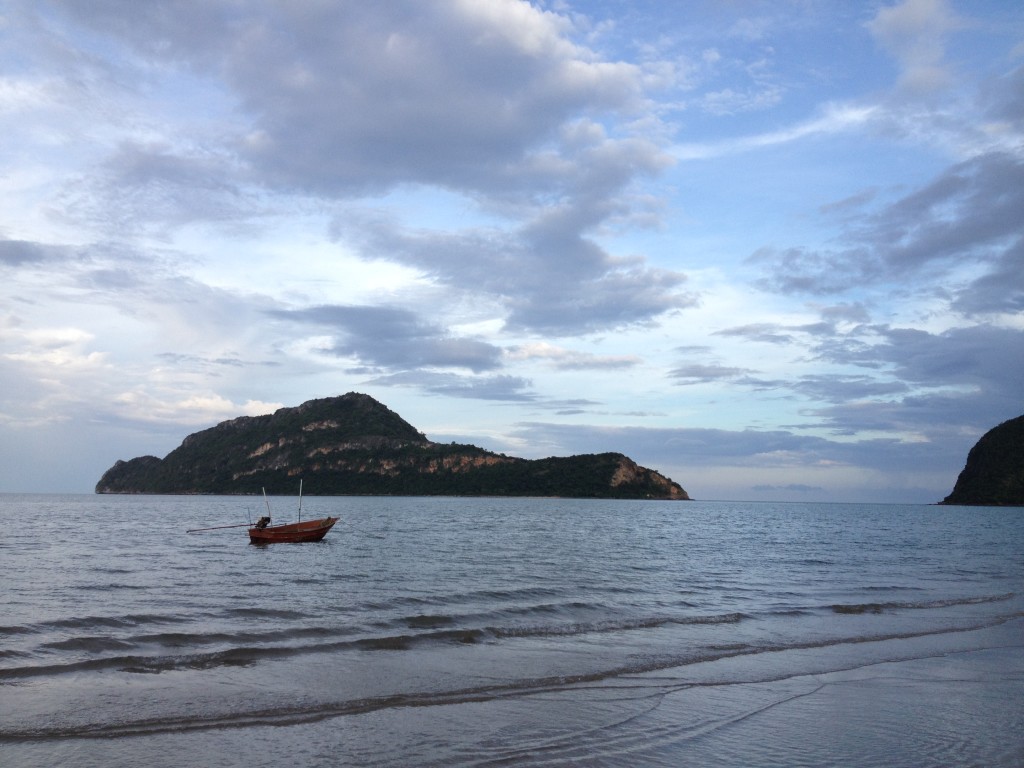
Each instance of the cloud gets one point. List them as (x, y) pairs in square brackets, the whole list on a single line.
[(967, 216), (567, 359), (158, 188), (703, 373), (841, 388), (845, 312), (499, 387), (491, 102), (834, 119), (1001, 290), (789, 487), (987, 357), (450, 197), (544, 277), (357, 98), (394, 339), (694, 448), (763, 332), (960, 381), (1002, 99), (914, 31), (140, 407), (16, 253), (349, 99)]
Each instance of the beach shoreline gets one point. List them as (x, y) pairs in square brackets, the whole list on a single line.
[(953, 699)]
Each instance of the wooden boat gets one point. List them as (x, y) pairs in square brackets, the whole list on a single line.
[(305, 530), (265, 533)]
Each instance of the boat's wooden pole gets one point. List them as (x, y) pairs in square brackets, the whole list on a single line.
[(217, 528)]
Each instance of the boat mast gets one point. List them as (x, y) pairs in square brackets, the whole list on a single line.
[(300, 499)]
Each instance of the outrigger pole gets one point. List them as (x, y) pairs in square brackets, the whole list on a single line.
[(218, 527)]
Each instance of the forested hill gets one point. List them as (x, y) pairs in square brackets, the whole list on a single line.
[(354, 445), (994, 473)]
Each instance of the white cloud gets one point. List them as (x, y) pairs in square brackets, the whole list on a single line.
[(836, 118), (915, 31), (568, 359)]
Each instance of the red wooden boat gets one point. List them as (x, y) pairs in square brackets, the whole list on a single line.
[(265, 533), (306, 530)]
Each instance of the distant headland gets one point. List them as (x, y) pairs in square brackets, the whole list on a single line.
[(354, 445), (994, 473)]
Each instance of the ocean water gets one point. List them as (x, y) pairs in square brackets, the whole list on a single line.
[(479, 632)]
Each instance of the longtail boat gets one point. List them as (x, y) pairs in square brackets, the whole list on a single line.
[(309, 530), (305, 530), (262, 532)]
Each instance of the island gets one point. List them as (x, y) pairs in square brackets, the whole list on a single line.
[(994, 473), (354, 445)]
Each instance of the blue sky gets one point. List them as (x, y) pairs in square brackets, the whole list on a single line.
[(772, 249)]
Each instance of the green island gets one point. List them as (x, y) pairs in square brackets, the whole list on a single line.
[(354, 445), (994, 472)]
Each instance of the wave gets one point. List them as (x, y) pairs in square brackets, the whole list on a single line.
[(156, 652), (304, 713), (107, 622), (623, 625), (88, 644), (500, 596), (251, 648), (861, 608), (264, 613)]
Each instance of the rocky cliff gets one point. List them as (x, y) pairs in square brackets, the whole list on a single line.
[(994, 473), (353, 444)]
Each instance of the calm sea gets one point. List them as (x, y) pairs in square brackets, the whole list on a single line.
[(477, 632)]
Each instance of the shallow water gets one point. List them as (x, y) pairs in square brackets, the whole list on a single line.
[(447, 631)]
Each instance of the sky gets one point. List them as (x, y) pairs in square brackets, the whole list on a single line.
[(773, 250)]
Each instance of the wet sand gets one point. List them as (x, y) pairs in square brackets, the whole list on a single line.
[(954, 700)]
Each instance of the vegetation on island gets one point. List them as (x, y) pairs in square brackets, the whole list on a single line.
[(994, 472), (354, 445)]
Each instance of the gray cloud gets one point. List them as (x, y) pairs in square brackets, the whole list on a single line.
[(764, 332), (1003, 98), (546, 277), (352, 98), (160, 188), (987, 357), (790, 487), (494, 387), (1001, 290), (16, 253), (969, 214), (345, 100), (695, 448), (961, 381), (395, 339), (846, 312), (839, 388), (702, 373)]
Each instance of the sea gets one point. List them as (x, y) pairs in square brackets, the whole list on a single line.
[(498, 632)]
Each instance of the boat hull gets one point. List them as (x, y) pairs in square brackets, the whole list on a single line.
[(307, 530)]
